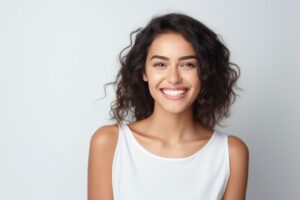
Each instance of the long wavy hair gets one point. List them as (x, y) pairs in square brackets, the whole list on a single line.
[(218, 77)]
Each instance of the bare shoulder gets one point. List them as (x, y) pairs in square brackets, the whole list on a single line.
[(237, 146), (102, 147), (105, 135), (239, 161)]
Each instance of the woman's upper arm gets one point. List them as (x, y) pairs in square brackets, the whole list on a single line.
[(239, 161), (101, 151)]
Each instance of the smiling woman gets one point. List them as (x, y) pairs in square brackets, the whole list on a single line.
[(177, 83)]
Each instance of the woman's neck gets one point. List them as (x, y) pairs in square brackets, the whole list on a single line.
[(172, 127)]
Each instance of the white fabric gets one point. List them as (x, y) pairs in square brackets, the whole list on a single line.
[(138, 174)]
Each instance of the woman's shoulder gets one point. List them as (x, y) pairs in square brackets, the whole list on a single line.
[(237, 146), (101, 152), (105, 135), (239, 164), (239, 156)]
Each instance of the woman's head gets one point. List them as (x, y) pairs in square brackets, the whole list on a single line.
[(214, 70)]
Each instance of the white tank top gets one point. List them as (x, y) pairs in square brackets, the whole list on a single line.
[(138, 174)]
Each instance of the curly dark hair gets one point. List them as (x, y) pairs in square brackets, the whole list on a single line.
[(217, 75)]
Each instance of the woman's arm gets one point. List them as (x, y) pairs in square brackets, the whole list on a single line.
[(102, 147), (239, 161)]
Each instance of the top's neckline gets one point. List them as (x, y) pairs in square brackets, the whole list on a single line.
[(171, 159)]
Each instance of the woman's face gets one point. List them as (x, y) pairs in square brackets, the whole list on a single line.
[(171, 72)]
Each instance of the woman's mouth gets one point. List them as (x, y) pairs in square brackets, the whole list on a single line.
[(174, 94)]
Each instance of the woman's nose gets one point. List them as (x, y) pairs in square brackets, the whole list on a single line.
[(174, 75)]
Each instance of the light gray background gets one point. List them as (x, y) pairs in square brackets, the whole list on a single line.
[(56, 55)]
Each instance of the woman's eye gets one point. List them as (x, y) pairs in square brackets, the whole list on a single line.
[(159, 65), (188, 65)]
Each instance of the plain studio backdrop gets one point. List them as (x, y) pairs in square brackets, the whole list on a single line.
[(55, 57)]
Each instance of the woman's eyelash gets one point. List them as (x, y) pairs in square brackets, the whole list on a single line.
[(189, 64), (185, 64), (159, 65)]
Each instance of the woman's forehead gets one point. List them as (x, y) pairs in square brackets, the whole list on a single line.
[(172, 45)]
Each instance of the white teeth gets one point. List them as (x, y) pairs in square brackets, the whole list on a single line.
[(174, 92)]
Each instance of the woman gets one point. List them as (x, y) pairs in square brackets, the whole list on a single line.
[(177, 83)]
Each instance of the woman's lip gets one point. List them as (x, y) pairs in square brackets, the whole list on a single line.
[(179, 88)]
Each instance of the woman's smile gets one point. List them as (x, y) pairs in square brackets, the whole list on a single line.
[(174, 94)]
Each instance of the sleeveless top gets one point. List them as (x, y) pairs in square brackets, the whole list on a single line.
[(138, 174)]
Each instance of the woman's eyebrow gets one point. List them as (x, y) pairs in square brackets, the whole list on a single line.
[(180, 58), (187, 57)]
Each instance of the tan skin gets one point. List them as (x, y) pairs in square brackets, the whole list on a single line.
[(171, 130)]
